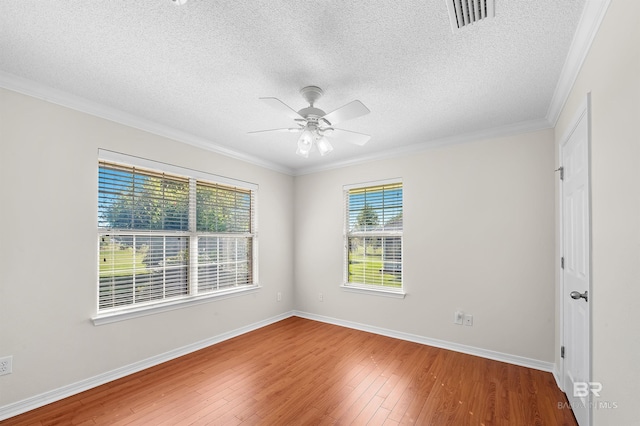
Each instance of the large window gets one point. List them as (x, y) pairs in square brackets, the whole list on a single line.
[(373, 235), (166, 237)]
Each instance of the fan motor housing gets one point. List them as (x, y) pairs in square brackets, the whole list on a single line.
[(311, 113)]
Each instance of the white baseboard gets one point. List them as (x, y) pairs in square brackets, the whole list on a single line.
[(57, 394), (557, 375), (40, 400), (457, 347)]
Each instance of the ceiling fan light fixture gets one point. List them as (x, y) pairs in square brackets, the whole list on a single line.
[(305, 143), (303, 151), (324, 147), (314, 124), (306, 138)]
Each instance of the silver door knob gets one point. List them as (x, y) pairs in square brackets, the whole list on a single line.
[(577, 295)]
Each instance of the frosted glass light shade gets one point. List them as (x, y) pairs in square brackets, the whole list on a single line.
[(324, 147), (305, 143)]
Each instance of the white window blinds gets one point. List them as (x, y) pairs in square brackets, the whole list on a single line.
[(222, 208), (134, 198), (374, 235), (224, 223), (165, 236)]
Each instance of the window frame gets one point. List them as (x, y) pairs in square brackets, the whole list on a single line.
[(113, 314), (373, 289)]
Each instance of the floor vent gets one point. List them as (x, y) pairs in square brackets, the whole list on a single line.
[(466, 12)]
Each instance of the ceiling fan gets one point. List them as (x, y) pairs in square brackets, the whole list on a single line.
[(315, 125)]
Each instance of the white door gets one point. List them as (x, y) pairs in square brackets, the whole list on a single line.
[(575, 294)]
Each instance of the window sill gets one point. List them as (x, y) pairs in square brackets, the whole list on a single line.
[(386, 292), (141, 311)]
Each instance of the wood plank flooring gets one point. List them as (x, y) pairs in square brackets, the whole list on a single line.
[(302, 372)]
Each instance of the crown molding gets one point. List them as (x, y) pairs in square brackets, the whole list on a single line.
[(589, 23), (65, 99), (592, 16), (495, 132)]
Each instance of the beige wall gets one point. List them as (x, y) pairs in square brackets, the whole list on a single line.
[(611, 73), (48, 193), (478, 236)]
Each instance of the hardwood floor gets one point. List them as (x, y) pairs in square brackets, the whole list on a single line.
[(302, 372)]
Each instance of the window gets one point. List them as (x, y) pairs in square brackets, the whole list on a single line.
[(170, 236), (373, 236)]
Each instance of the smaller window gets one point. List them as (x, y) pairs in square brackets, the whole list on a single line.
[(373, 236)]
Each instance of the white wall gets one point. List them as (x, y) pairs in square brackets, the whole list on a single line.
[(48, 196), (478, 236), (611, 73)]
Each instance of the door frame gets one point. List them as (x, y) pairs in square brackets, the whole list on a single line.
[(584, 111)]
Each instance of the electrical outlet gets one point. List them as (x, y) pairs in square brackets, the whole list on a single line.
[(321, 297), (468, 319), (6, 365), (279, 297), (457, 319)]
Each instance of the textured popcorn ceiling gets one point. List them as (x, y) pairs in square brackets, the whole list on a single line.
[(200, 68)]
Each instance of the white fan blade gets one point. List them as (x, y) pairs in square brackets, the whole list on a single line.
[(290, 130), (351, 110), (282, 107), (349, 136)]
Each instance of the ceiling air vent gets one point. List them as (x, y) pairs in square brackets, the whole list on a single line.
[(466, 12)]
